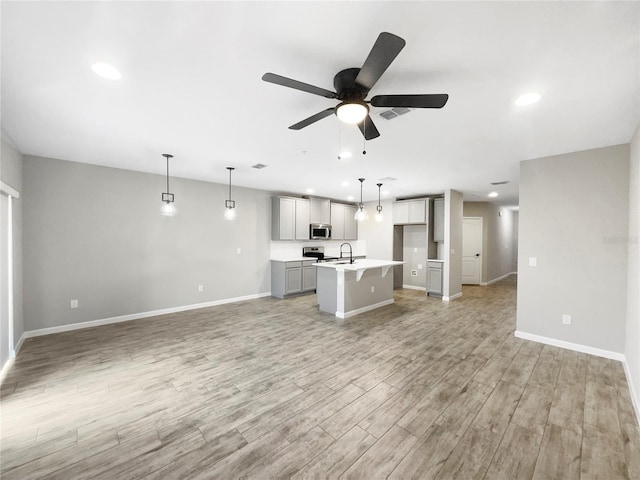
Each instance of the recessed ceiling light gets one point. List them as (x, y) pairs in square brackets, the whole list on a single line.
[(350, 197), (106, 71), (344, 155), (385, 192), (493, 194), (309, 190), (345, 184), (527, 98)]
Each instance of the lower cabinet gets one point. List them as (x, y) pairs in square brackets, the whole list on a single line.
[(434, 279), (291, 278)]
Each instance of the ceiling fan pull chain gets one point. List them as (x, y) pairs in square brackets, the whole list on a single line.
[(364, 137), (339, 143)]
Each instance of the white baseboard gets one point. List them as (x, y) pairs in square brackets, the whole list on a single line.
[(413, 287), (351, 313), (135, 316), (491, 282), (633, 390), (571, 346), (452, 297)]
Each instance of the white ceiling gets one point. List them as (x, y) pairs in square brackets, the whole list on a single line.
[(192, 86)]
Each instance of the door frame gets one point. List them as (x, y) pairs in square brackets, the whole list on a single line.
[(481, 247), (10, 193)]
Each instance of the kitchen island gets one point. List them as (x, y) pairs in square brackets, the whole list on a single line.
[(345, 289)]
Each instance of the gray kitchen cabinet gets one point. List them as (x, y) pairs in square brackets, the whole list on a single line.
[(292, 277), (289, 218), (320, 210), (410, 211), (350, 223), (344, 226), (434, 279), (308, 276), (337, 221), (438, 220)]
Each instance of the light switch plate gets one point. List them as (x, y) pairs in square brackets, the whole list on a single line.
[(74, 303), (533, 261), (566, 319)]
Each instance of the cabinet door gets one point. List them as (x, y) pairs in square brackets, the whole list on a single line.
[(337, 221), (350, 223), (287, 219), (308, 278), (302, 219), (292, 280), (435, 280), (400, 213), (320, 210), (438, 220), (417, 211)]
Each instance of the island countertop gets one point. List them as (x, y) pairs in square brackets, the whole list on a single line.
[(359, 264)]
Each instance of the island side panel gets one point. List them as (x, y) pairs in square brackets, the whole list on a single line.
[(326, 289), (358, 295)]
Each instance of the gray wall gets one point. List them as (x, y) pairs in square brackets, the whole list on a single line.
[(95, 234), (498, 238), (11, 174), (414, 253), (632, 348), (516, 229), (573, 212), (452, 274)]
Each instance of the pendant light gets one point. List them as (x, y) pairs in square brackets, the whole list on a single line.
[(230, 205), (168, 209), (379, 216), (361, 213)]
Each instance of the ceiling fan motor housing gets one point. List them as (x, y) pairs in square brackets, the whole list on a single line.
[(345, 84)]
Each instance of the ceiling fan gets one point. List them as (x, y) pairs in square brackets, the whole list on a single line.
[(353, 85)]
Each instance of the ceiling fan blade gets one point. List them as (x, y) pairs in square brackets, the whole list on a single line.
[(410, 101), (384, 51), (312, 119), (368, 129), (305, 87)]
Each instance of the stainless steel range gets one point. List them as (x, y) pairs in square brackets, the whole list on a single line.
[(318, 254)]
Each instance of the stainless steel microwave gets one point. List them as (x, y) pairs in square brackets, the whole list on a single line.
[(319, 231)]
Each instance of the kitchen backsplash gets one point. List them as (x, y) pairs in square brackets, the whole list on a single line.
[(285, 250)]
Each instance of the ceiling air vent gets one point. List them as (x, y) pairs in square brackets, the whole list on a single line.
[(394, 112), (388, 179), (504, 182), (258, 166)]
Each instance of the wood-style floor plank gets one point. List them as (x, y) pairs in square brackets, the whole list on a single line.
[(273, 388)]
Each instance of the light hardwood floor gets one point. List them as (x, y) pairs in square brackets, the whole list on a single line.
[(275, 389)]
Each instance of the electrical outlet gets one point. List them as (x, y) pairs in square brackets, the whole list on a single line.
[(533, 261), (201, 288), (74, 303), (238, 250), (566, 319), (373, 289), (415, 250), (419, 266)]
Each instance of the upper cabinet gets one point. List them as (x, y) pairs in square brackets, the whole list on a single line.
[(410, 211), (290, 218), (320, 210), (438, 220), (343, 223)]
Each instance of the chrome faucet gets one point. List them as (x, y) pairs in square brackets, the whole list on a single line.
[(350, 252)]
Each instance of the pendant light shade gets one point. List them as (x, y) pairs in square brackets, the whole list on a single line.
[(361, 213), (168, 208), (230, 205), (379, 216)]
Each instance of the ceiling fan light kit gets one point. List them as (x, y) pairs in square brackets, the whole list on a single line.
[(353, 85)]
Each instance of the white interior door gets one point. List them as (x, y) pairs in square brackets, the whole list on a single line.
[(471, 250)]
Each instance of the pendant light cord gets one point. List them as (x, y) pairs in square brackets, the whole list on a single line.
[(168, 174), (229, 184)]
